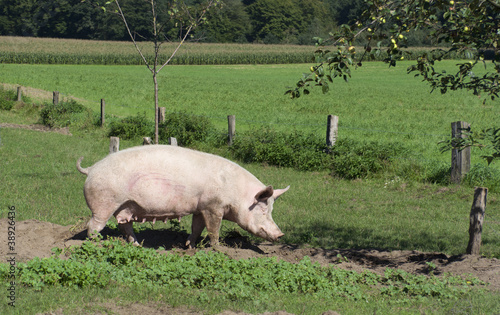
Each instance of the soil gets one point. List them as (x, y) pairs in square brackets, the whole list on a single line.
[(37, 127), (36, 239)]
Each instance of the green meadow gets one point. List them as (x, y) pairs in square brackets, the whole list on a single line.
[(392, 106), (383, 211)]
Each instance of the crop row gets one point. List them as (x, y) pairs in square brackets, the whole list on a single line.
[(197, 58)]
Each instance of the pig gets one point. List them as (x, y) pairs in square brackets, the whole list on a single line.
[(163, 182)]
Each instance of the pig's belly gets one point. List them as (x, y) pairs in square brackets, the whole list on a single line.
[(157, 195)]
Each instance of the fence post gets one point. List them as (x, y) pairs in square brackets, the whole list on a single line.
[(103, 105), (476, 220), (114, 144), (231, 129), (172, 141), (55, 97), (332, 130), (146, 141), (460, 159), (161, 114), (19, 94)]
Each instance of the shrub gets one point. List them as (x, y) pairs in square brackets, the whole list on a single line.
[(132, 127), (302, 152), (7, 99), (185, 128), (354, 159), (60, 115)]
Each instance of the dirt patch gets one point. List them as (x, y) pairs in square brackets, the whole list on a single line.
[(37, 127), (36, 239)]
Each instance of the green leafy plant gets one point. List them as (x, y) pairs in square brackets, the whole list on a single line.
[(131, 127)]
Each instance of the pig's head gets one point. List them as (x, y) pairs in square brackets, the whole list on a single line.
[(259, 220)]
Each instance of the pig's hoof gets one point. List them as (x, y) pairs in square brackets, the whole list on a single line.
[(188, 244)]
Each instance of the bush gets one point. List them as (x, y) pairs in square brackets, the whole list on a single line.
[(60, 115), (302, 152), (354, 159), (132, 127), (7, 99), (185, 128)]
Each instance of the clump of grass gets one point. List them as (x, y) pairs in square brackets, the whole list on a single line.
[(483, 175)]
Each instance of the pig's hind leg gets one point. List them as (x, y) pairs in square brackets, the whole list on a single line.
[(196, 228), (125, 215), (100, 216)]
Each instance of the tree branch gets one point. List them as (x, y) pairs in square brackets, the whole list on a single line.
[(132, 37)]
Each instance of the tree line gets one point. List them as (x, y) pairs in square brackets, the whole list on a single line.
[(236, 21)]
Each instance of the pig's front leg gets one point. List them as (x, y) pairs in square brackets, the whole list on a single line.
[(213, 221), (196, 228)]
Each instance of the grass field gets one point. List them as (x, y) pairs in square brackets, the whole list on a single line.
[(40, 179), (396, 108), (393, 107)]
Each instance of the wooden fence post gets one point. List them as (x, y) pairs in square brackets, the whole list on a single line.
[(332, 130), (476, 220), (231, 129), (103, 105), (114, 144), (55, 97), (161, 114), (146, 141), (19, 94), (460, 159), (172, 141)]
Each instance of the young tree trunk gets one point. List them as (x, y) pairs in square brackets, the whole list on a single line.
[(156, 107)]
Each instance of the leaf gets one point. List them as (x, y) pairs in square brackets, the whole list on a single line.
[(325, 88)]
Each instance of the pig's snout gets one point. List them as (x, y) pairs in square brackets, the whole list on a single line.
[(279, 236), (274, 237)]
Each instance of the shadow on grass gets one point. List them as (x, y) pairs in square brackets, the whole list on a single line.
[(325, 235)]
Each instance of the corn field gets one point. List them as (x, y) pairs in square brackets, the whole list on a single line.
[(22, 50)]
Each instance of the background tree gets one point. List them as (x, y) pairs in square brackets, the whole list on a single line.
[(228, 23)]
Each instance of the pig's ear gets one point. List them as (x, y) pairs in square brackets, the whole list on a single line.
[(264, 194), (279, 192)]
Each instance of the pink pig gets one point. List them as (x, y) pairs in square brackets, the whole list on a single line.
[(161, 182)]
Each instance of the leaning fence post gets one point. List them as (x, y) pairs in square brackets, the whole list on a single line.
[(231, 129), (55, 97), (19, 94), (103, 105), (460, 159), (114, 144), (332, 130), (476, 220)]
